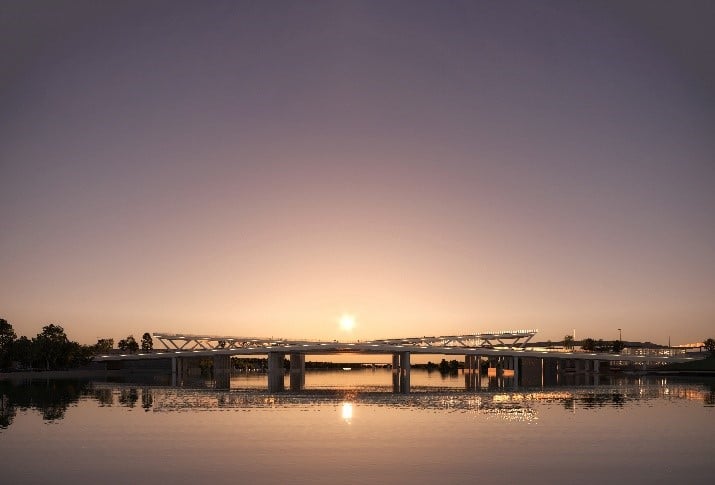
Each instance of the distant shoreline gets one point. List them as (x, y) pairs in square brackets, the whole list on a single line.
[(58, 374)]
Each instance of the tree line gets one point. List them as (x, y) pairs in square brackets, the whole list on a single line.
[(616, 346), (51, 349)]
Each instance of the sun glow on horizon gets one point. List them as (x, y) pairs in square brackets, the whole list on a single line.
[(347, 322)]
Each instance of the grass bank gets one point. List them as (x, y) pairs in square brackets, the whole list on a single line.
[(703, 366)]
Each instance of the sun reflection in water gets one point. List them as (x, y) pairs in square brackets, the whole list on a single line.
[(347, 413)]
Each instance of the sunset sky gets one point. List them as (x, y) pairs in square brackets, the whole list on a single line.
[(261, 168)]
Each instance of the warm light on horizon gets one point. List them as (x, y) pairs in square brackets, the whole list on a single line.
[(347, 322)]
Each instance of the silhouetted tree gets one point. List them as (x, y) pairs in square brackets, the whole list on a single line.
[(709, 345), (602, 346), (50, 346), (103, 345), (568, 341), (618, 346), (588, 344), (7, 338), (22, 351), (78, 355), (147, 342), (451, 367), (128, 344)]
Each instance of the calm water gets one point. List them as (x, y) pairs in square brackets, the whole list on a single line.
[(348, 428)]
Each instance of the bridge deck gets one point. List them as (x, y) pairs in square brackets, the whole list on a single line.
[(382, 347)]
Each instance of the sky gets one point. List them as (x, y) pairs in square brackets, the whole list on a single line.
[(432, 168)]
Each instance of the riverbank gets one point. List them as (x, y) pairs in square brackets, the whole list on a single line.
[(704, 367), (58, 374)]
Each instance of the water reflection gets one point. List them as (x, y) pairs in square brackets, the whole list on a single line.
[(347, 412), (52, 398)]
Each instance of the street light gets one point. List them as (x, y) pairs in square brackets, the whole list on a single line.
[(620, 335)]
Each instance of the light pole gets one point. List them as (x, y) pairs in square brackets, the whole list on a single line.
[(620, 335)]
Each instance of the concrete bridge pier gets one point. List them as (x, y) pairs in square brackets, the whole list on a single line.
[(401, 372), (492, 368), (177, 371), (222, 371), (297, 371), (471, 372), (515, 365), (550, 369), (395, 372), (276, 371)]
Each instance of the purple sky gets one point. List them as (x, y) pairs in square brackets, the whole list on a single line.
[(260, 168)]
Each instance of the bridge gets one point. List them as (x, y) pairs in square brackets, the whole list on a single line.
[(505, 352)]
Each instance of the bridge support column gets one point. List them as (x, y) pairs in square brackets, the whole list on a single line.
[(479, 371), (222, 371), (405, 372), (177, 371), (297, 371), (596, 366), (550, 370), (491, 367), (469, 371), (395, 372), (275, 371), (401, 372), (472, 372), (515, 364)]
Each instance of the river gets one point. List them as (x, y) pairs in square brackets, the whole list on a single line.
[(347, 427)]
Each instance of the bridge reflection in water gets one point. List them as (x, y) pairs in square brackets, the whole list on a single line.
[(502, 355), (505, 404), (53, 398)]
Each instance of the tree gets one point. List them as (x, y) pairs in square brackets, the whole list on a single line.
[(22, 351), (78, 355), (709, 345), (51, 346), (128, 344), (7, 338), (7, 335), (602, 346), (568, 341), (147, 342), (103, 345), (588, 344)]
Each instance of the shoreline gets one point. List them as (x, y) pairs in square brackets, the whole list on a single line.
[(58, 374)]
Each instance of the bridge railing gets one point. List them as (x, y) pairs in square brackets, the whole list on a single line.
[(503, 339)]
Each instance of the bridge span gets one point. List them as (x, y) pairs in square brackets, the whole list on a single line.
[(505, 352)]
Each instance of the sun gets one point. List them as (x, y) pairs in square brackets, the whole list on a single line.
[(347, 322)]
